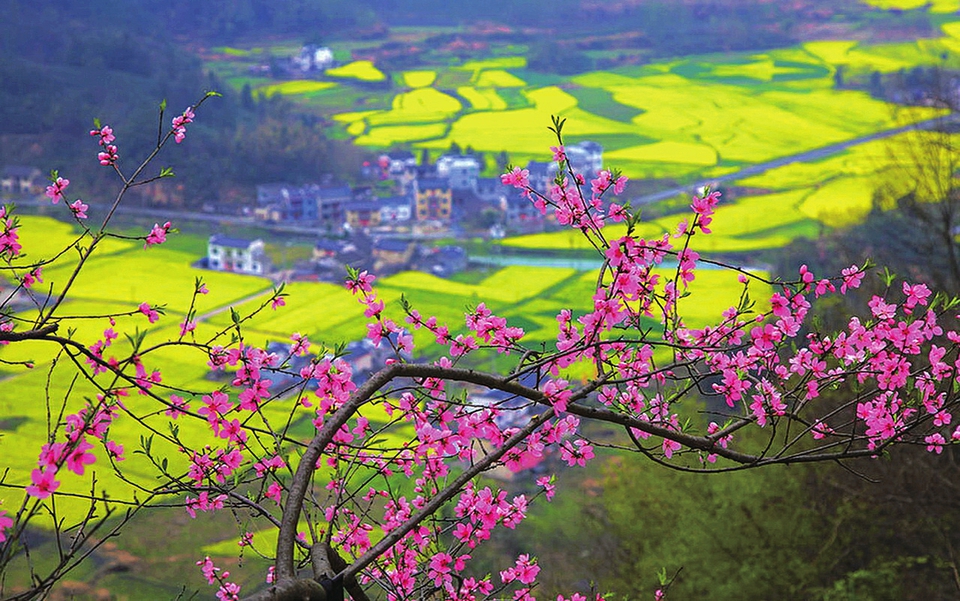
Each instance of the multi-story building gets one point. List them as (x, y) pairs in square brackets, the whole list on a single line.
[(237, 254), (434, 199), (462, 171)]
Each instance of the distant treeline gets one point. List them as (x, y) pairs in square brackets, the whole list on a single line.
[(63, 64)]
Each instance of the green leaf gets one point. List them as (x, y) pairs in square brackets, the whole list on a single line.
[(888, 276)]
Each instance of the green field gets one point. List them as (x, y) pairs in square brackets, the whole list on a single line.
[(126, 275), (419, 79), (692, 116), (680, 119), (296, 87), (936, 6), (360, 70)]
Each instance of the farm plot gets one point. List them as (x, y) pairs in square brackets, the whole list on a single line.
[(692, 116), (43, 237), (419, 79), (482, 99), (360, 70), (296, 87), (138, 282), (935, 6), (750, 223)]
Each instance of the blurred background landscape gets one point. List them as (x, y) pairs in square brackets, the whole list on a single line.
[(372, 134)]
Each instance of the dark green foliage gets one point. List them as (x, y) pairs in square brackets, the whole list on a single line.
[(102, 62), (550, 56), (747, 535), (600, 101)]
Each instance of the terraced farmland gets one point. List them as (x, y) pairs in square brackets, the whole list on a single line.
[(529, 297)]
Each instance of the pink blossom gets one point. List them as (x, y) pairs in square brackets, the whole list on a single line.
[(821, 430), (524, 570), (115, 450), (178, 407), (882, 309), (79, 209), (620, 185), (616, 213), (186, 327), (273, 492), (9, 236), (32, 277), (5, 522), (670, 447), (361, 284), (576, 453), (157, 235), (518, 178), (105, 133), (935, 443), (204, 503), (79, 457), (916, 295), (548, 487), (852, 276), (55, 190), (180, 122), (44, 483), (152, 315), (109, 156), (228, 591), (208, 569), (440, 567)]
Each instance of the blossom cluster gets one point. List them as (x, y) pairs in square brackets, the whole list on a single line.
[(387, 457)]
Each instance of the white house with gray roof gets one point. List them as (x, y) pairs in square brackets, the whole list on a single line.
[(238, 255)]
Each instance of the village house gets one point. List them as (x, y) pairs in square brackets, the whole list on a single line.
[(442, 261), (585, 158), (238, 255), (19, 179), (520, 214), (434, 200), (461, 171), (396, 210), (541, 175), (310, 204), (391, 255), (326, 248), (284, 202), (329, 201), (359, 214), (491, 189), (313, 58), (398, 161)]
